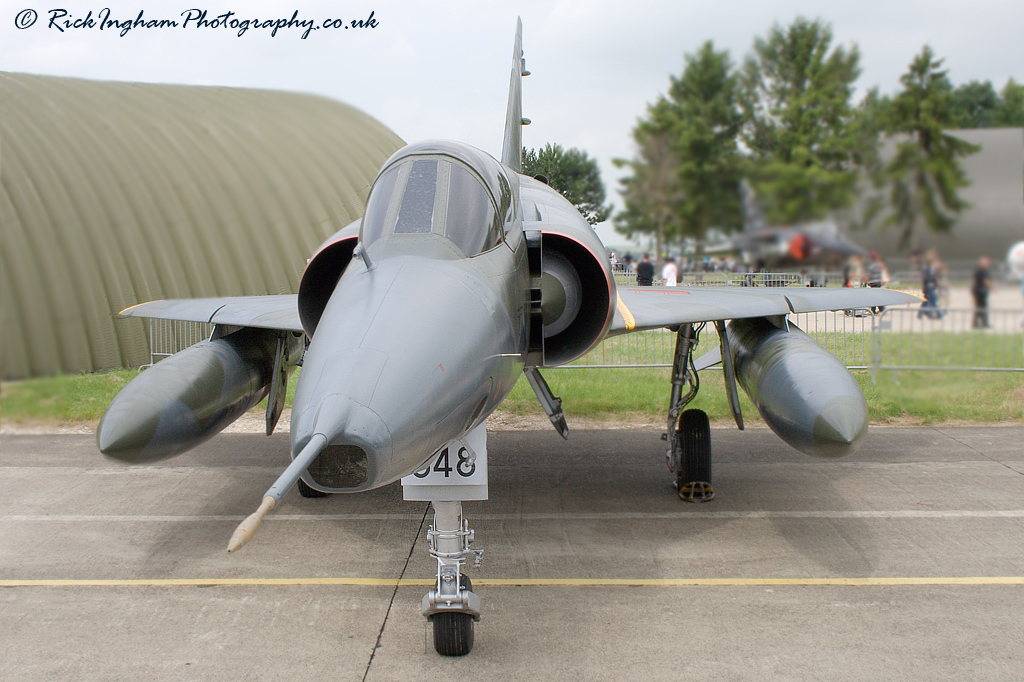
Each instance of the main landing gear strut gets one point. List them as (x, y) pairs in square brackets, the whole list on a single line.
[(689, 433)]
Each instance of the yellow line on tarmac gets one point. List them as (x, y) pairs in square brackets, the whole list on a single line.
[(206, 582), (533, 582), (747, 582)]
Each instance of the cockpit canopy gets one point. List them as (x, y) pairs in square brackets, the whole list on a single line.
[(441, 188)]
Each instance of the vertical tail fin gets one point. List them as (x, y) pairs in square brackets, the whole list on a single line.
[(512, 147), (753, 219)]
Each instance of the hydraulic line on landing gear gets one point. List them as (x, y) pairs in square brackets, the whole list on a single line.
[(683, 372)]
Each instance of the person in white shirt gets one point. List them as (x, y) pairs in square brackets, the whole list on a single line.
[(669, 272)]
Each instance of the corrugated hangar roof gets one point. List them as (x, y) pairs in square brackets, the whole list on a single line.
[(119, 193)]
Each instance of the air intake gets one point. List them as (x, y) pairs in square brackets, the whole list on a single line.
[(339, 466)]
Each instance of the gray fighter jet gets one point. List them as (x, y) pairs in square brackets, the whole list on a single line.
[(414, 323), (784, 246)]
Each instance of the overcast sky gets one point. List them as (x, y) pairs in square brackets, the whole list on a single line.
[(440, 69)]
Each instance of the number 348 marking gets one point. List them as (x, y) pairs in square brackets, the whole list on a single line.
[(463, 467)]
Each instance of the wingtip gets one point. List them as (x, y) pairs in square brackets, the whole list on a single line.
[(132, 307)]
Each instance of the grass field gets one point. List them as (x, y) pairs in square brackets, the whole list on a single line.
[(918, 397)]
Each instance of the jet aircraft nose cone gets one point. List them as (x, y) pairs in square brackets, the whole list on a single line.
[(405, 357), (358, 450), (841, 426)]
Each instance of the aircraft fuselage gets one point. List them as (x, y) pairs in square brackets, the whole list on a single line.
[(425, 337)]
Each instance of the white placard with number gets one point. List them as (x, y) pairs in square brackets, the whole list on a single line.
[(457, 472)]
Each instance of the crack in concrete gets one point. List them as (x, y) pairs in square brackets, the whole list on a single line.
[(953, 438), (394, 594)]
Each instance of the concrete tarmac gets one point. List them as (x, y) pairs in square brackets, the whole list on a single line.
[(903, 562)]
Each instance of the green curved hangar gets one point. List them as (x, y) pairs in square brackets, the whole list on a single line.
[(118, 193)]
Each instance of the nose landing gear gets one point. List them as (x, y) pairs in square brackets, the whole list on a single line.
[(452, 606)]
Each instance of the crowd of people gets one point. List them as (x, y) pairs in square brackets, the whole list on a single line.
[(856, 273), (671, 270)]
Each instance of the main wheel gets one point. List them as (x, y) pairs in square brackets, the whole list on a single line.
[(307, 491), (453, 633), (693, 442)]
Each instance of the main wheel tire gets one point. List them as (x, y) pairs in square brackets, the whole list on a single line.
[(693, 440), (307, 491), (453, 633)]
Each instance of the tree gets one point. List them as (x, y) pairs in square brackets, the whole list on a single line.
[(689, 165), (1010, 111), (925, 173), (973, 104), (703, 114), (801, 127), (574, 175), (652, 194)]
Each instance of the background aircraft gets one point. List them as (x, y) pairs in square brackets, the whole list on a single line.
[(778, 246), (416, 322)]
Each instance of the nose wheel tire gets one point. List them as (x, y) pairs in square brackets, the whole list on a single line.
[(453, 631), (693, 442)]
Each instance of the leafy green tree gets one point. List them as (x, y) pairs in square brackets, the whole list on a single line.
[(868, 126), (925, 173), (652, 194), (1010, 111), (689, 164), (574, 175), (703, 114), (973, 104), (802, 129)]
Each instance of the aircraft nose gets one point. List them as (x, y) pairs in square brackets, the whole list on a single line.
[(358, 444), (403, 359)]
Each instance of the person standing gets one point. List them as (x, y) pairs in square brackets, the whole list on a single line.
[(853, 273), (669, 272), (980, 288), (930, 285), (878, 275), (645, 271)]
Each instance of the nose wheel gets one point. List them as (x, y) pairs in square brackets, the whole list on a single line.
[(452, 606), (453, 631)]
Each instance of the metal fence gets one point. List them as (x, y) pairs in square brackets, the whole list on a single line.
[(899, 279), (722, 278), (895, 339), (906, 338), (167, 337)]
